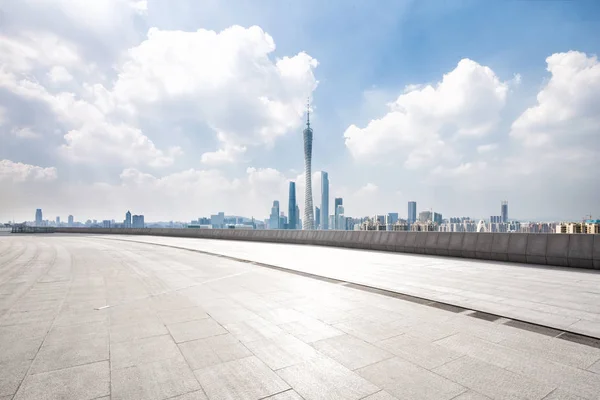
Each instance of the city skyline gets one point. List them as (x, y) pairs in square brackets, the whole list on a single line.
[(423, 114)]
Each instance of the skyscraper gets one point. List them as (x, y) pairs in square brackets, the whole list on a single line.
[(38, 217), (504, 211), (57, 221), (138, 221), (127, 221), (336, 203), (274, 217), (309, 218), (412, 212), (292, 207), (70, 220), (317, 217), (324, 200)]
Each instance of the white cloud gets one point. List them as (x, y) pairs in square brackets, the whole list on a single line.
[(18, 172), (369, 189), (486, 148), (226, 155), (102, 142), (567, 111), (217, 75), (36, 49), (25, 133), (59, 74), (424, 119)]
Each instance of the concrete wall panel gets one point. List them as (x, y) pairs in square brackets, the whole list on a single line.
[(596, 253), (469, 245), (500, 247), (431, 239), (581, 251), (375, 238), (443, 242), (517, 247), (483, 248), (455, 245), (410, 242), (536, 248), (420, 240), (399, 241), (389, 241)]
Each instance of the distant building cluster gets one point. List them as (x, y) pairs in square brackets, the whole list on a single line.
[(324, 217)]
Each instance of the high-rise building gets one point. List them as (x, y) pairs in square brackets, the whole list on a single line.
[(504, 211), (292, 207), (218, 220), (127, 221), (437, 218), (70, 220), (309, 218), (336, 203), (137, 221), (38, 217), (340, 220), (298, 224), (274, 217), (325, 200), (317, 217), (57, 221), (283, 221), (412, 212)]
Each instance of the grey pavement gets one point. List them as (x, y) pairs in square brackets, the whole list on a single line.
[(563, 298), (90, 318)]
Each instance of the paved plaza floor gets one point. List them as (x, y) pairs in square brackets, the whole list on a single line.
[(563, 298), (103, 318)]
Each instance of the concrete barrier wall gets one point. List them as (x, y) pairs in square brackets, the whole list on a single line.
[(575, 251)]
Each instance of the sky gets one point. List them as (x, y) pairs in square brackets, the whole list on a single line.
[(181, 109)]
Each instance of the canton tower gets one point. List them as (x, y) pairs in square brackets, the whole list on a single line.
[(308, 222)]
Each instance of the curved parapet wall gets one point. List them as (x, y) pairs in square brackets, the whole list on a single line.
[(565, 250)]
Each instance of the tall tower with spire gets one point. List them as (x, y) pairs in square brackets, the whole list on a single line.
[(308, 222)]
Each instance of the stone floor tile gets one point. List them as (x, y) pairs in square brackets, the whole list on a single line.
[(195, 395), (136, 330), (19, 350), (493, 381), (244, 379), (287, 395), (595, 367), (562, 395), (213, 350), (381, 395), (197, 329), (406, 380), (282, 351), (310, 330), (370, 331), (65, 355), (280, 316), (153, 381), (75, 333), (480, 349), (351, 352), (142, 351), (84, 382), (11, 375), (421, 352), (253, 329), (569, 379), (562, 351), (182, 315), (323, 378), (471, 395)]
